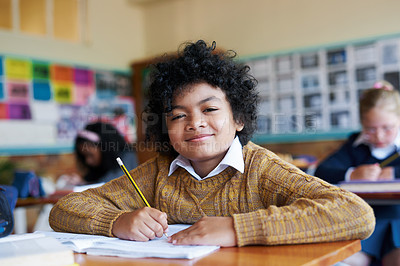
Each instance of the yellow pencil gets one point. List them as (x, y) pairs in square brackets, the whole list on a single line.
[(121, 164), (389, 160)]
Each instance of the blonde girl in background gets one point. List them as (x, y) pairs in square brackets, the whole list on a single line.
[(359, 159)]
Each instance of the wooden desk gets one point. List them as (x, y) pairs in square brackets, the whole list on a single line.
[(380, 198), (285, 255), (51, 199), (44, 204)]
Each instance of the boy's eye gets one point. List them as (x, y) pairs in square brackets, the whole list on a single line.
[(175, 117), (210, 109)]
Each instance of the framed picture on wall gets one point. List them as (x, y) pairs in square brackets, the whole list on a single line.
[(340, 119), (365, 54), (390, 53), (313, 100), (309, 60), (283, 64), (313, 121), (310, 82), (337, 57), (319, 89), (367, 73)]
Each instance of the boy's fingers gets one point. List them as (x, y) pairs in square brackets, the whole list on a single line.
[(158, 223), (160, 217)]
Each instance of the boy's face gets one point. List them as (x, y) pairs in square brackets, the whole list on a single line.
[(380, 127), (201, 125)]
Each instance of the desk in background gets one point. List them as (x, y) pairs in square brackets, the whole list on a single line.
[(380, 198), (283, 255), (44, 203)]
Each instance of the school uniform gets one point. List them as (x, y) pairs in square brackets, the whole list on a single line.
[(271, 201), (337, 167)]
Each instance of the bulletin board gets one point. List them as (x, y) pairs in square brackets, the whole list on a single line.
[(43, 104), (314, 93)]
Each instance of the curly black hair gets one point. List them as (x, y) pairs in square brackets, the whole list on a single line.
[(112, 144), (197, 63)]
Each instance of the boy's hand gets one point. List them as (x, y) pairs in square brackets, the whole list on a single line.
[(368, 172), (207, 231), (141, 225)]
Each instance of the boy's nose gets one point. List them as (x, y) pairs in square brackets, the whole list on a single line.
[(195, 122)]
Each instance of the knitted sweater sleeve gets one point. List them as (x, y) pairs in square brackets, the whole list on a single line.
[(94, 211), (300, 208)]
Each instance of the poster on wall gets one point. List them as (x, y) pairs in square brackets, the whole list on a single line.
[(317, 91), (56, 100)]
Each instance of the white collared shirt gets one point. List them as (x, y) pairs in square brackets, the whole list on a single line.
[(378, 153), (234, 158)]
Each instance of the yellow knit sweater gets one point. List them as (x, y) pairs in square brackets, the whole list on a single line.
[(272, 202)]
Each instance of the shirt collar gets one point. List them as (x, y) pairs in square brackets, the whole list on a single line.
[(379, 153), (233, 158), (361, 139)]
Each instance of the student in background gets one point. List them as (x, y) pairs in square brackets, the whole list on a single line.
[(202, 113), (96, 148), (359, 159)]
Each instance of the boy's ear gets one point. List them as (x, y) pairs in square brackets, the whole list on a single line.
[(239, 126)]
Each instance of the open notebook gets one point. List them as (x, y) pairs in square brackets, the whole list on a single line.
[(111, 246)]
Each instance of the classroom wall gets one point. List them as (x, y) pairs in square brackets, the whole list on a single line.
[(258, 27), (255, 27), (116, 37), (123, 31)]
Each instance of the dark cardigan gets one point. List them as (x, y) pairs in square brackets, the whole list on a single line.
[(333, 168)]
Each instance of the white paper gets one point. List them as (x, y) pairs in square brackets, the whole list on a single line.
[(26, 133), (111, 246), (45, 112)]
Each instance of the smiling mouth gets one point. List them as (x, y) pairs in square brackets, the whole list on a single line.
[(199, 137)]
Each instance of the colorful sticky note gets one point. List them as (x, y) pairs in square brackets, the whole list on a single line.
[(61, 73), (105, 85), (63, 92), (18, 91), (40, 70), (41, 91), (105, 94), (18, 68), (1, 66), (105, 80), (19, 111), (1, 91), (83, 76), (123, 84), (3, 111), (83, 94), (45, 112)]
